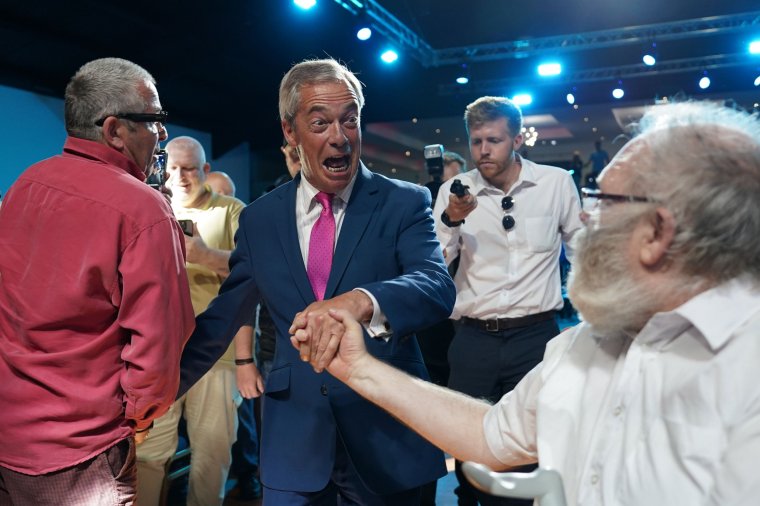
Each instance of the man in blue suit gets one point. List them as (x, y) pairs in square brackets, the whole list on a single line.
[(337, 237)]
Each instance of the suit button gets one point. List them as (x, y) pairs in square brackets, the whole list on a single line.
[(323, 389)]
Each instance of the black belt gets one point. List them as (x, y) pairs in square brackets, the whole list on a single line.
[(497, 324)]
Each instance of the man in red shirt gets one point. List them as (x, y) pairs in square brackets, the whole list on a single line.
[(90, 258)]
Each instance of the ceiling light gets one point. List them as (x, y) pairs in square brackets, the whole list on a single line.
[(618, 93), (754, 47), (757, 81), (522, 99), (704, 82), (549, 69), (389, 56), (570, 98), (649, 60), (462, 80), (364, 33), (305, 4)]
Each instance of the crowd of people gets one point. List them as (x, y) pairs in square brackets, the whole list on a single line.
[(124, 309)]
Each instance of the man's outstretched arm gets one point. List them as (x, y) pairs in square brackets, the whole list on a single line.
[(450, 420)]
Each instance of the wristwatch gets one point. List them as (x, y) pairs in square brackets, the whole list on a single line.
[(447, 221)]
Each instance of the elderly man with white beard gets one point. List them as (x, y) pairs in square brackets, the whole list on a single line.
[(654, 398)]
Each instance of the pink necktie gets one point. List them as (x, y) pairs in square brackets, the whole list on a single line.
[(321, 246)]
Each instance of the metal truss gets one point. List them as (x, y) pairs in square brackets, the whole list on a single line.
[(390, 27), (602, 74)]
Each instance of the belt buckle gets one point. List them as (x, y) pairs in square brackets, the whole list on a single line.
[(492, 325)]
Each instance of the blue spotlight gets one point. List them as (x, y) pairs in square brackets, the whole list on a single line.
[(570, 98), (754, 47), (389, 56), (305, 4), (704, 82), (549, 69), (649, 60), (364, 33), (462, 80), (522, 99), (618, 93)]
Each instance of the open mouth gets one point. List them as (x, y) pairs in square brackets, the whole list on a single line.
[(337, 164)]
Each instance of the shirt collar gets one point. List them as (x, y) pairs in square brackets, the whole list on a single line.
[(308, 191), (735, 301), (100, 152)]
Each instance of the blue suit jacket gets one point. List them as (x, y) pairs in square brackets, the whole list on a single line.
[(387, 246)]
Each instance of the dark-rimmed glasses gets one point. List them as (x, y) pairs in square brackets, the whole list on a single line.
[(508, 222), (140, 117), (591, 197)]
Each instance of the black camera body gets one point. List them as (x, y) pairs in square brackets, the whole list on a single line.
[(433, 154)]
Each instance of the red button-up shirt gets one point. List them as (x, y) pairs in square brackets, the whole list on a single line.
[(94, 308)]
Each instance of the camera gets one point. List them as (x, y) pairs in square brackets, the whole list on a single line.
[(433, 154), (157, 172), (186, 226)]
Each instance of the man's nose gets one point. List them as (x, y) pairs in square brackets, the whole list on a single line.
[(337, 135)]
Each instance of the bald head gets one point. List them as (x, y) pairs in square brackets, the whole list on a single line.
[(221, 183)]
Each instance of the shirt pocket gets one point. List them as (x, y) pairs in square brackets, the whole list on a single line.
[(540, 233)]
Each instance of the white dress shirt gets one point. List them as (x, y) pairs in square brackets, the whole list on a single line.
[(671, 417), (307, 213), (511, 273)]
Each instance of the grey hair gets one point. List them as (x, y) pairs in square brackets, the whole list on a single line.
[(313, 72), (102, 88), (451, 157), (188, 143), (702, 161)]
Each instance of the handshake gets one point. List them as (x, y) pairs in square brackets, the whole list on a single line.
[(328, 335)]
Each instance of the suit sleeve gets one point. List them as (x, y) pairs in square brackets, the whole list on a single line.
[(423, 293), (229, 311)]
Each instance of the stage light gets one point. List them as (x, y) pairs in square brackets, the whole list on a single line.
[(549, 69), (618, 93), (522, 99), (757, 81), (463, 80), (650, 55), (364, 33), (389, 56), (570, 98), (754, 47), (305, 4), (704, 82)]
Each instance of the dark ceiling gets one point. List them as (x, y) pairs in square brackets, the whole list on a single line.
[(218, 64)]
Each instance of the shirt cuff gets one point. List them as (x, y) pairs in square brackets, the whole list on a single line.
[(378, 326)]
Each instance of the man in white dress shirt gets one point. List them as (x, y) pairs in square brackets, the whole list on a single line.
[(508, 232), (654, 399)]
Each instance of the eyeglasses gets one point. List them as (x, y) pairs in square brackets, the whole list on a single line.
[(140, 117), (590, 198), (508, 222)]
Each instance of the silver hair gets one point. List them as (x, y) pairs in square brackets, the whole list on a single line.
[(313, 72), (186, 142), (702, 161), (101, 88)]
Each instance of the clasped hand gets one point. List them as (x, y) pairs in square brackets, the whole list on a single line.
[(316, 332)]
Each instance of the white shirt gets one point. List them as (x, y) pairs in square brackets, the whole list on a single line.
[(671, 417), (307, 213), (511, 273)]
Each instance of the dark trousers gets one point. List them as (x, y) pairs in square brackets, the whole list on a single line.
[(487, 365), (245, 451), (108, 479), (345, 488)]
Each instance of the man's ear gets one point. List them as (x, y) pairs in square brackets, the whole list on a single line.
[(657, 237), (206, 168), (289, 132), (518, 142), (112, 133)]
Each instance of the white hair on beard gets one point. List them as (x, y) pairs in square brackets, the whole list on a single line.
[(601, 285)]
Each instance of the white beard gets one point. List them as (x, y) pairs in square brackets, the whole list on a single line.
[(601, 285)]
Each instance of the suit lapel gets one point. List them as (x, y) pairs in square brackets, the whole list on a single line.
[(361, 206), (286, 230)]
